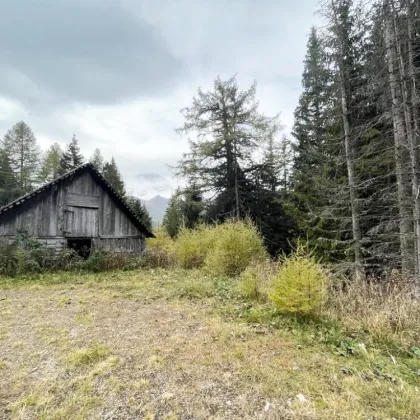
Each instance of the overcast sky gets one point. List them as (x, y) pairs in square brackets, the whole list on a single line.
[(117, 72)]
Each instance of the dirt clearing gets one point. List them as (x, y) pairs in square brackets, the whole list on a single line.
[(129, 348)]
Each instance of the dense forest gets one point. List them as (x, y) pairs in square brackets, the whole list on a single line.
[(345, 181)]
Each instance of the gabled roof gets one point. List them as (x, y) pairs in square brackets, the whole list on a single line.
[(86, 167)]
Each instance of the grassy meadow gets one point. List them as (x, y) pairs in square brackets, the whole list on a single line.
[(183, 343)]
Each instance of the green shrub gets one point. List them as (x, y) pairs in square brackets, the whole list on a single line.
[(104, 260), (256, 281), (8, 259), (192, 246), (25, 256), (301, 285), (68, 259), (235, 245), (161, 241), (96, 262), (248, 284)]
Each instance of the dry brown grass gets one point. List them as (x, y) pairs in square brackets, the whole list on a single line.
[(125, 345), (388, 309)]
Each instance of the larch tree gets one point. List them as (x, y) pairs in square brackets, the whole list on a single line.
[(97, 160), (23, 152), (50, 164), (227, 130)]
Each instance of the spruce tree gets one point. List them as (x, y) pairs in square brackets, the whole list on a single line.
[(113, 176), (191, 206), (314, 179), (71, 157), (23, 153), (270, 193), (140, 210), (172, 220)]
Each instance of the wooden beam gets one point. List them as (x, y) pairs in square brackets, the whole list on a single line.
[(82, 200)]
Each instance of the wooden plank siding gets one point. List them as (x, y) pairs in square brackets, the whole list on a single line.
[(83, 200), (78, 206)]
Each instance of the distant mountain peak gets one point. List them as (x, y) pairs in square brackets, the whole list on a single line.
[(157, 207)]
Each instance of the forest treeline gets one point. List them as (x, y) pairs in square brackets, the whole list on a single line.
[(24, 166), (346, 181)]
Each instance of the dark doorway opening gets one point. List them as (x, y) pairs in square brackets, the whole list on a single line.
[(81, 246)]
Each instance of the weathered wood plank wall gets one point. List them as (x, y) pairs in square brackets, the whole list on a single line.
[(76, 207)]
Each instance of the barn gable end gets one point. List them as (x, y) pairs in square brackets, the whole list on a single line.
[(78, 206)]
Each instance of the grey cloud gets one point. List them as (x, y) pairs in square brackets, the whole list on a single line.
[(163, 188), (150, 176), (95, 51)]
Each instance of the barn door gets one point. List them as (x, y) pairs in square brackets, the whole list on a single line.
[(82, 216), (81, 222)]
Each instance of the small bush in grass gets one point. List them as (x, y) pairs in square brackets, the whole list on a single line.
[(8, 259), (234, 246), (301, 284), (96, 262), (25, 256), (255, 282), (161, 241), (159, 251), (157, 258), (192, 246), (68, 259)]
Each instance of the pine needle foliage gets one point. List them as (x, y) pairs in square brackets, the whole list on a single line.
[(301, 285)]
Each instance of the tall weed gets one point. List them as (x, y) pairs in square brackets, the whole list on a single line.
[(159, 251), (387, 308)]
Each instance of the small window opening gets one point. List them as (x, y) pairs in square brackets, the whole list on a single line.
[(81, 246)]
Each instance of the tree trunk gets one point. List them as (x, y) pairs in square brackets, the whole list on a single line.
[(355, 211), (411, 142), (231, 164), (415, 140), (238, 211), (400, 145)]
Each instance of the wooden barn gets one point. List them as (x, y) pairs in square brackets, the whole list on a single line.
[(79, 210)]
